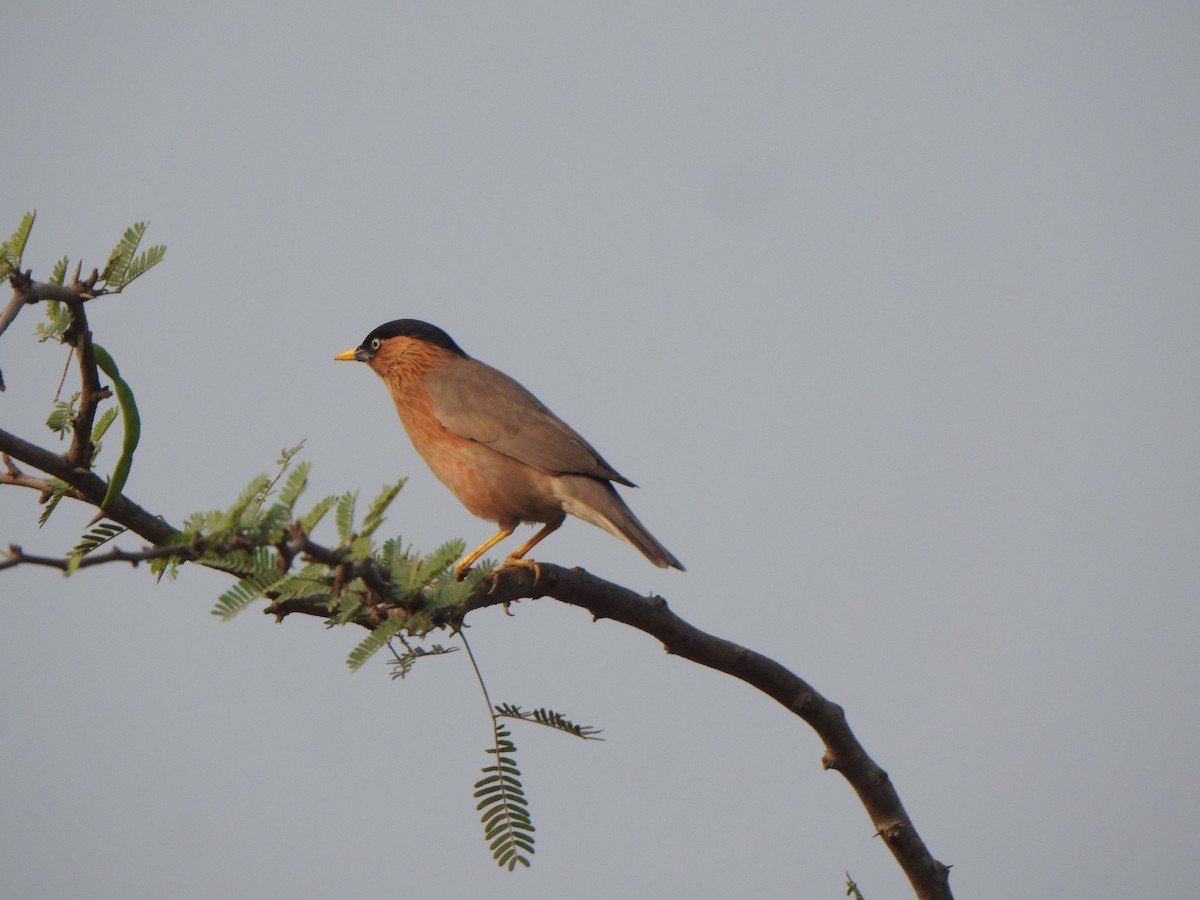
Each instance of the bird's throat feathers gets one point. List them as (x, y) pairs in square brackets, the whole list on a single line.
[(402, 362)]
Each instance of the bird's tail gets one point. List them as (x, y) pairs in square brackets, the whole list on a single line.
[(598, 502)]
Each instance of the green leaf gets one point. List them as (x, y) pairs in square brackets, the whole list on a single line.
[(507, 826), (393, 549), (317, 513), (130, 422), (116, 270), (373, 643), (404, 662), (374, 516), (14, 248), (296, 482), (360, 548), (139, 265), (97, 537), (550, 719), (448, 592), (167, 566), (348, 607), (102, 423), (259, 563), (60, 490), (242, 512), (62, 417), (270, 525), (59, 273), (344, 516), (401, 572), (311, 581), (437, 564), (242, 594), (58, 320)]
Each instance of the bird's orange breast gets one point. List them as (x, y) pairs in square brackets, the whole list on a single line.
[(488, 483)]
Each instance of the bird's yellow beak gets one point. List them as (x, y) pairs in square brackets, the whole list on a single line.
[(351, 355)]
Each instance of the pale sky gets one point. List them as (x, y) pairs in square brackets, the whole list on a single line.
[(890, 310)]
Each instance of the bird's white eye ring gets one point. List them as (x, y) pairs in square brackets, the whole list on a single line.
[(375, 342)]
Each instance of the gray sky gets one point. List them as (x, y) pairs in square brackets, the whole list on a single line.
[(890, 310)]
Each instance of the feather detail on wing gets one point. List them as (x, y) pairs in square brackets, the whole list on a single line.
[(483, 404)]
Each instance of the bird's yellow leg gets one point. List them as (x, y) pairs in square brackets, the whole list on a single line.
[(517, 557), (463, 566)]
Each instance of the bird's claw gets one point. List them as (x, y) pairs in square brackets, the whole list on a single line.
[(522, 563), (493, 577)]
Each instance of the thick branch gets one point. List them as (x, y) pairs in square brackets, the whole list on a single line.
[(843, 752), (575, 587), (26, 290), (651, 615), (572, 586), (89, 487), (603, 599)]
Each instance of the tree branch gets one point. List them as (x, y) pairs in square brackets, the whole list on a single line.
[(651, 615), (91, 393), (89, 487), (26, 291), (10, 311), (13, 475), (575, 587), (16, 556)]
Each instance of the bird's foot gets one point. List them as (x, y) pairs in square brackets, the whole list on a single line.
[(493, 577), (523, 563)]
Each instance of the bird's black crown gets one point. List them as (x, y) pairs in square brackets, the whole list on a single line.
[(415, 329)]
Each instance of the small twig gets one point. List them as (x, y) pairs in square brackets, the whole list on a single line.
[(16, 557), (63, 380), (14, 476), (479, 677)]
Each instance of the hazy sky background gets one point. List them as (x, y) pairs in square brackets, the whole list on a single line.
[(890, 309)]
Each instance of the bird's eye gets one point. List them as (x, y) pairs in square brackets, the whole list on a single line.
[(375, 342)]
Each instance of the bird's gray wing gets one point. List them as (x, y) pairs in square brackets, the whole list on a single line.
[(483, 404)]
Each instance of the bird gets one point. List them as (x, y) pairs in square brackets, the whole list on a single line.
[(500, 450)]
